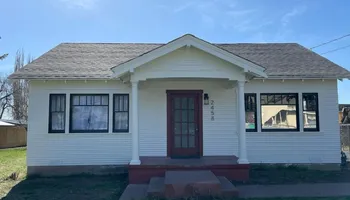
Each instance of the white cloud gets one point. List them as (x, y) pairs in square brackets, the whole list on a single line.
[(184, 7), (81, 4), (238, 13), (291, 14)]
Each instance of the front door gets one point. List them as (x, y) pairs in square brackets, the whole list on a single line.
[(184, 123)]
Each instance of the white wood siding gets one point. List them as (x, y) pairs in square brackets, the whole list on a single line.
[(298, 147), (189, 63), (220, 136), (56, 149)]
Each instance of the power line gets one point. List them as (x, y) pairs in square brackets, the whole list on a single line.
[(347, 35), (337, 49)]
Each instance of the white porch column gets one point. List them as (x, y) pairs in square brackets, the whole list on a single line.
[(241, 125), (135, 160)]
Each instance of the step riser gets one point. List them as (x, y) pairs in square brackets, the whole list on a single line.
[(142, 175), (180, 184)]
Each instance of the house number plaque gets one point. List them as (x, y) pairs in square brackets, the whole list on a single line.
[(212, 113)]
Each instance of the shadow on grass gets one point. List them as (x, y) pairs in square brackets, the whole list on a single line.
[(69, 188)]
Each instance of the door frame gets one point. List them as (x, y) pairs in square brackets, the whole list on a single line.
[(170, 139)]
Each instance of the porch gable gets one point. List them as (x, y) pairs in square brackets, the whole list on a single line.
[(188, 41)]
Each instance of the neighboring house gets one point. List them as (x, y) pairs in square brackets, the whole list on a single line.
[(344, 116), (98, 104)]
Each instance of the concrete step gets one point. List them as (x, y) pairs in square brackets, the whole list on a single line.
[(191, 183), (134, 192), (156, 187), (227, 188)]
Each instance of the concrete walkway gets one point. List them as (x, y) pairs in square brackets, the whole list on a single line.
[(138, 192), (298, 190)]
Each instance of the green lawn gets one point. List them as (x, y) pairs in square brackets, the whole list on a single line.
[(11, 160), (111, 187)]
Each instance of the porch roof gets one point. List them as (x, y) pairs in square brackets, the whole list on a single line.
[(94, 60)]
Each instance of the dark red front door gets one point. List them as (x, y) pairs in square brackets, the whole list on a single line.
[(184, 123)]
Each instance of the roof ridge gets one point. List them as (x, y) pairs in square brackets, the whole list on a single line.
[(112, 43)]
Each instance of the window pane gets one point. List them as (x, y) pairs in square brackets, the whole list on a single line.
[(285, 99), (191, 103), (75, 100), (53, 103), (184, 116), (250, 120), (178, 141), (278, 99), (104, 100), (97, 100), (310, 119), (58, 103), (63, 106), (126, 103), (184, 141), (177, 103), (177, 129), (121, 121), (191, 142), (263, 99), (184, 129), (292, 99), (82, 100), (191, 115), (278, 117), (116, 103), (310, 102), (184, 103), (271, 99), (89, 100), (121, 103), (191, 129), (90, 117), (57, 121), (177, 115)]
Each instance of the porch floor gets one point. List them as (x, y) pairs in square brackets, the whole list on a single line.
[(203, 161)]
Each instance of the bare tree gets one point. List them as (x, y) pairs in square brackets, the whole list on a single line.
[(2, 57), (20, 90), (5, 95)]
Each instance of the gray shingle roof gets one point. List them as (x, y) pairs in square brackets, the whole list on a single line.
[(95, 60)]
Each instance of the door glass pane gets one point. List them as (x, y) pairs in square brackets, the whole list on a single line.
[(184, 141), (184, 129), (191, 141), (191, 115), (177, 115), (177, 128), (178, 141), (191, 129), (184, 103), (177, 103), (184, 115), (191, 103)]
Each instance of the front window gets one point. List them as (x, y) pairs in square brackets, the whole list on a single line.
[(310, 112), (250, 112), (279, 112), (121, 113), (89, 113), (57, 114)]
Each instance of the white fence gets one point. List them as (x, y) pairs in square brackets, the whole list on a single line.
[(345, 139)]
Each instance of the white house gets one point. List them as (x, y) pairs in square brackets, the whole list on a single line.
[(111, 104)]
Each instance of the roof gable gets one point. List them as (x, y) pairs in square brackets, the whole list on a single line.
[(189, 41)]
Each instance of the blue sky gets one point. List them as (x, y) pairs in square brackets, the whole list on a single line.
[(39, 25)]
